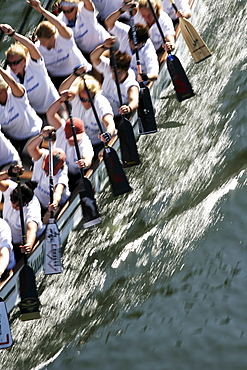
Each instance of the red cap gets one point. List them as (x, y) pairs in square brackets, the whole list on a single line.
[(59, 158), (79, 129)]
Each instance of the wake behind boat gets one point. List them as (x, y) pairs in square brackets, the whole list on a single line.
[(70, 215)]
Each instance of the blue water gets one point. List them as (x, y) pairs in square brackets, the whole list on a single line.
[(161, 284)]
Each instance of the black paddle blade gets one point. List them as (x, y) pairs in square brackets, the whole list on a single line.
[(29, 305), (129, 153), (147, 124), (89, 207), (117, 177), (180, 81)]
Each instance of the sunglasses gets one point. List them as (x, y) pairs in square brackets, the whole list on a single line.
[(84, 100), (15, 63), (68, 11)]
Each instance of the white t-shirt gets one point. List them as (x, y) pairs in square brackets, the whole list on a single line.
[(165, 24), (147, 54), (18, 119), (63, 58), (106, 7), (88, 33), (85, 148), (8, 153), (180, 4), (40, 90), (31, 212), (42, 191), (102, 107), (109, 87), (6, 241)]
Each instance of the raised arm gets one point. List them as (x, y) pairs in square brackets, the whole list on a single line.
[(17, 90), (53, 117), (12, 171), (96, 54), (33, 51), (113, 17), (33, 146), (63, 30), (66, 84)]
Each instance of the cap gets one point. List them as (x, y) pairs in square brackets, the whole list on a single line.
[(79, 129), (59, 158)]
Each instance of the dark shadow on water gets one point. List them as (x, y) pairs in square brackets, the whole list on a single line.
[(171, 124)]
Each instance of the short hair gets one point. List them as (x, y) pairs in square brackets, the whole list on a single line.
[(17, 49), (93, 85), (142, 33), (27, 192), (45, 30), (122, 60)]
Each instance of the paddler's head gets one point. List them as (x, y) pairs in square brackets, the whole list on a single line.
[(46, 34), (122, 63), (27, 193), (93, 86), (146, 11), (79, 129), (142, 35), (16, 56), (69, 9)]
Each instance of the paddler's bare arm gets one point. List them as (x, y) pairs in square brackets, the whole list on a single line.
[(96, 54), (33, 51), (53, 117), (66, 84), (63, 30), (17, 90), (113, 17)]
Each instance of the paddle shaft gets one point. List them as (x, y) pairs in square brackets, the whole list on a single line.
[(52, 253), (115, 171), (51, 181), (133, 29), (89, 209), (157, 23), (130, 156), (116, 77), (93, 106), (174, 6), (68, 105), (23, 229)]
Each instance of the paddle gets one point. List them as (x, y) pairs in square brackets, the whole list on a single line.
[(147, 123), (179, 79), (196, 45), (88, 204), (5, 332), (128, 147), (52, 255), (29, 304), (117, 177)]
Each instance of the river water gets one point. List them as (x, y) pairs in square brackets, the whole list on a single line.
[(161, 284)]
